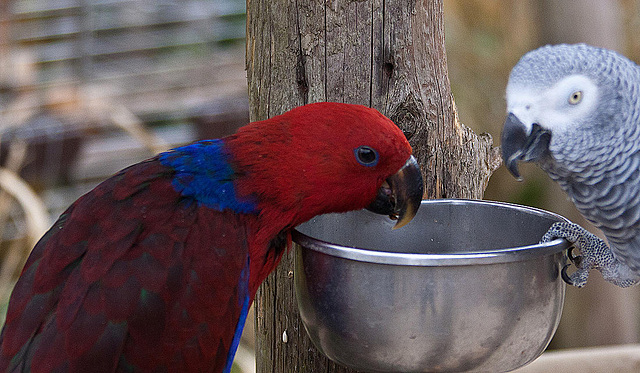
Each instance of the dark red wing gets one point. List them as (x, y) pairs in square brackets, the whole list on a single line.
[(132, 275)]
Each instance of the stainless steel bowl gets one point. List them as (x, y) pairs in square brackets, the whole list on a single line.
[(464, 287)]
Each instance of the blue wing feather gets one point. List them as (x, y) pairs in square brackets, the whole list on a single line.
[(243, 289), (203, 172)]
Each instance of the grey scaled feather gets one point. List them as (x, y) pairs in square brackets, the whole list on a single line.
[(575, 111)]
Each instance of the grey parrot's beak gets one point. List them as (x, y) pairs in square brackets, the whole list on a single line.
[(401, 194), (517, 145)]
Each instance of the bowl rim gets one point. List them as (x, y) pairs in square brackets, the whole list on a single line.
[(505, 255)]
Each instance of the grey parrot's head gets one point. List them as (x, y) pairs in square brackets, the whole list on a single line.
[(562, 101)]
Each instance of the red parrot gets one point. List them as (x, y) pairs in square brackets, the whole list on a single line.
[(154, 270)]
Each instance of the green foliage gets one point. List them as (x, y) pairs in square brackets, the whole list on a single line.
[(532, 192)]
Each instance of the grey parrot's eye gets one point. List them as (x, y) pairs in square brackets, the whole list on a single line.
[(366, 156), (575, 97)]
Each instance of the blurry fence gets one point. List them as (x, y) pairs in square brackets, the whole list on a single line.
[(158, 57), (90, 86)]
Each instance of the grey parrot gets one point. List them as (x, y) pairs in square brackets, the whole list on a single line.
[(575, 111)]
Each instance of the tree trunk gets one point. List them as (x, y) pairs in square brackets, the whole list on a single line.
[(385, 54)]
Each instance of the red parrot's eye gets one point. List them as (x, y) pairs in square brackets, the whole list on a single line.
[(366, 156)]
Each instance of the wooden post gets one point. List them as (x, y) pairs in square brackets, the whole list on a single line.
[(387, 54)]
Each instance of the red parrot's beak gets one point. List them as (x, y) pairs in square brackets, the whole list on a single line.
[(400, 195)]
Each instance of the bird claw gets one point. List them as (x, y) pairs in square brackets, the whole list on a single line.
[(578, 278), (570, 254), (564, 274), (594, 253), (575, 260)]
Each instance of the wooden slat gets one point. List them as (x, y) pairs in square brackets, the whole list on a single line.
[(26, 8), (161, 61), (47, 28), (618, 359)]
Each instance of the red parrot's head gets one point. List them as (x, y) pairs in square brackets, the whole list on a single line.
[(327, 157)]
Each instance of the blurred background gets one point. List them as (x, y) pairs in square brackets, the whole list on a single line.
[(88, 87)]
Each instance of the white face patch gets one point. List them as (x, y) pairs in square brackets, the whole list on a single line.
[(554, 108), (520, 102)]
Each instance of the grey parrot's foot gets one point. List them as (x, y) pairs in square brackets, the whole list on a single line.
[(579, 277), (594, 253)]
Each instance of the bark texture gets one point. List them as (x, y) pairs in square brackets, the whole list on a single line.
[(387, 54)]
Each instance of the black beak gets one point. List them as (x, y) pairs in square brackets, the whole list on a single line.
[(401, 194), (518, 146)]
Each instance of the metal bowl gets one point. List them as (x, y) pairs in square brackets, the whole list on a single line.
[(464, 287)]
